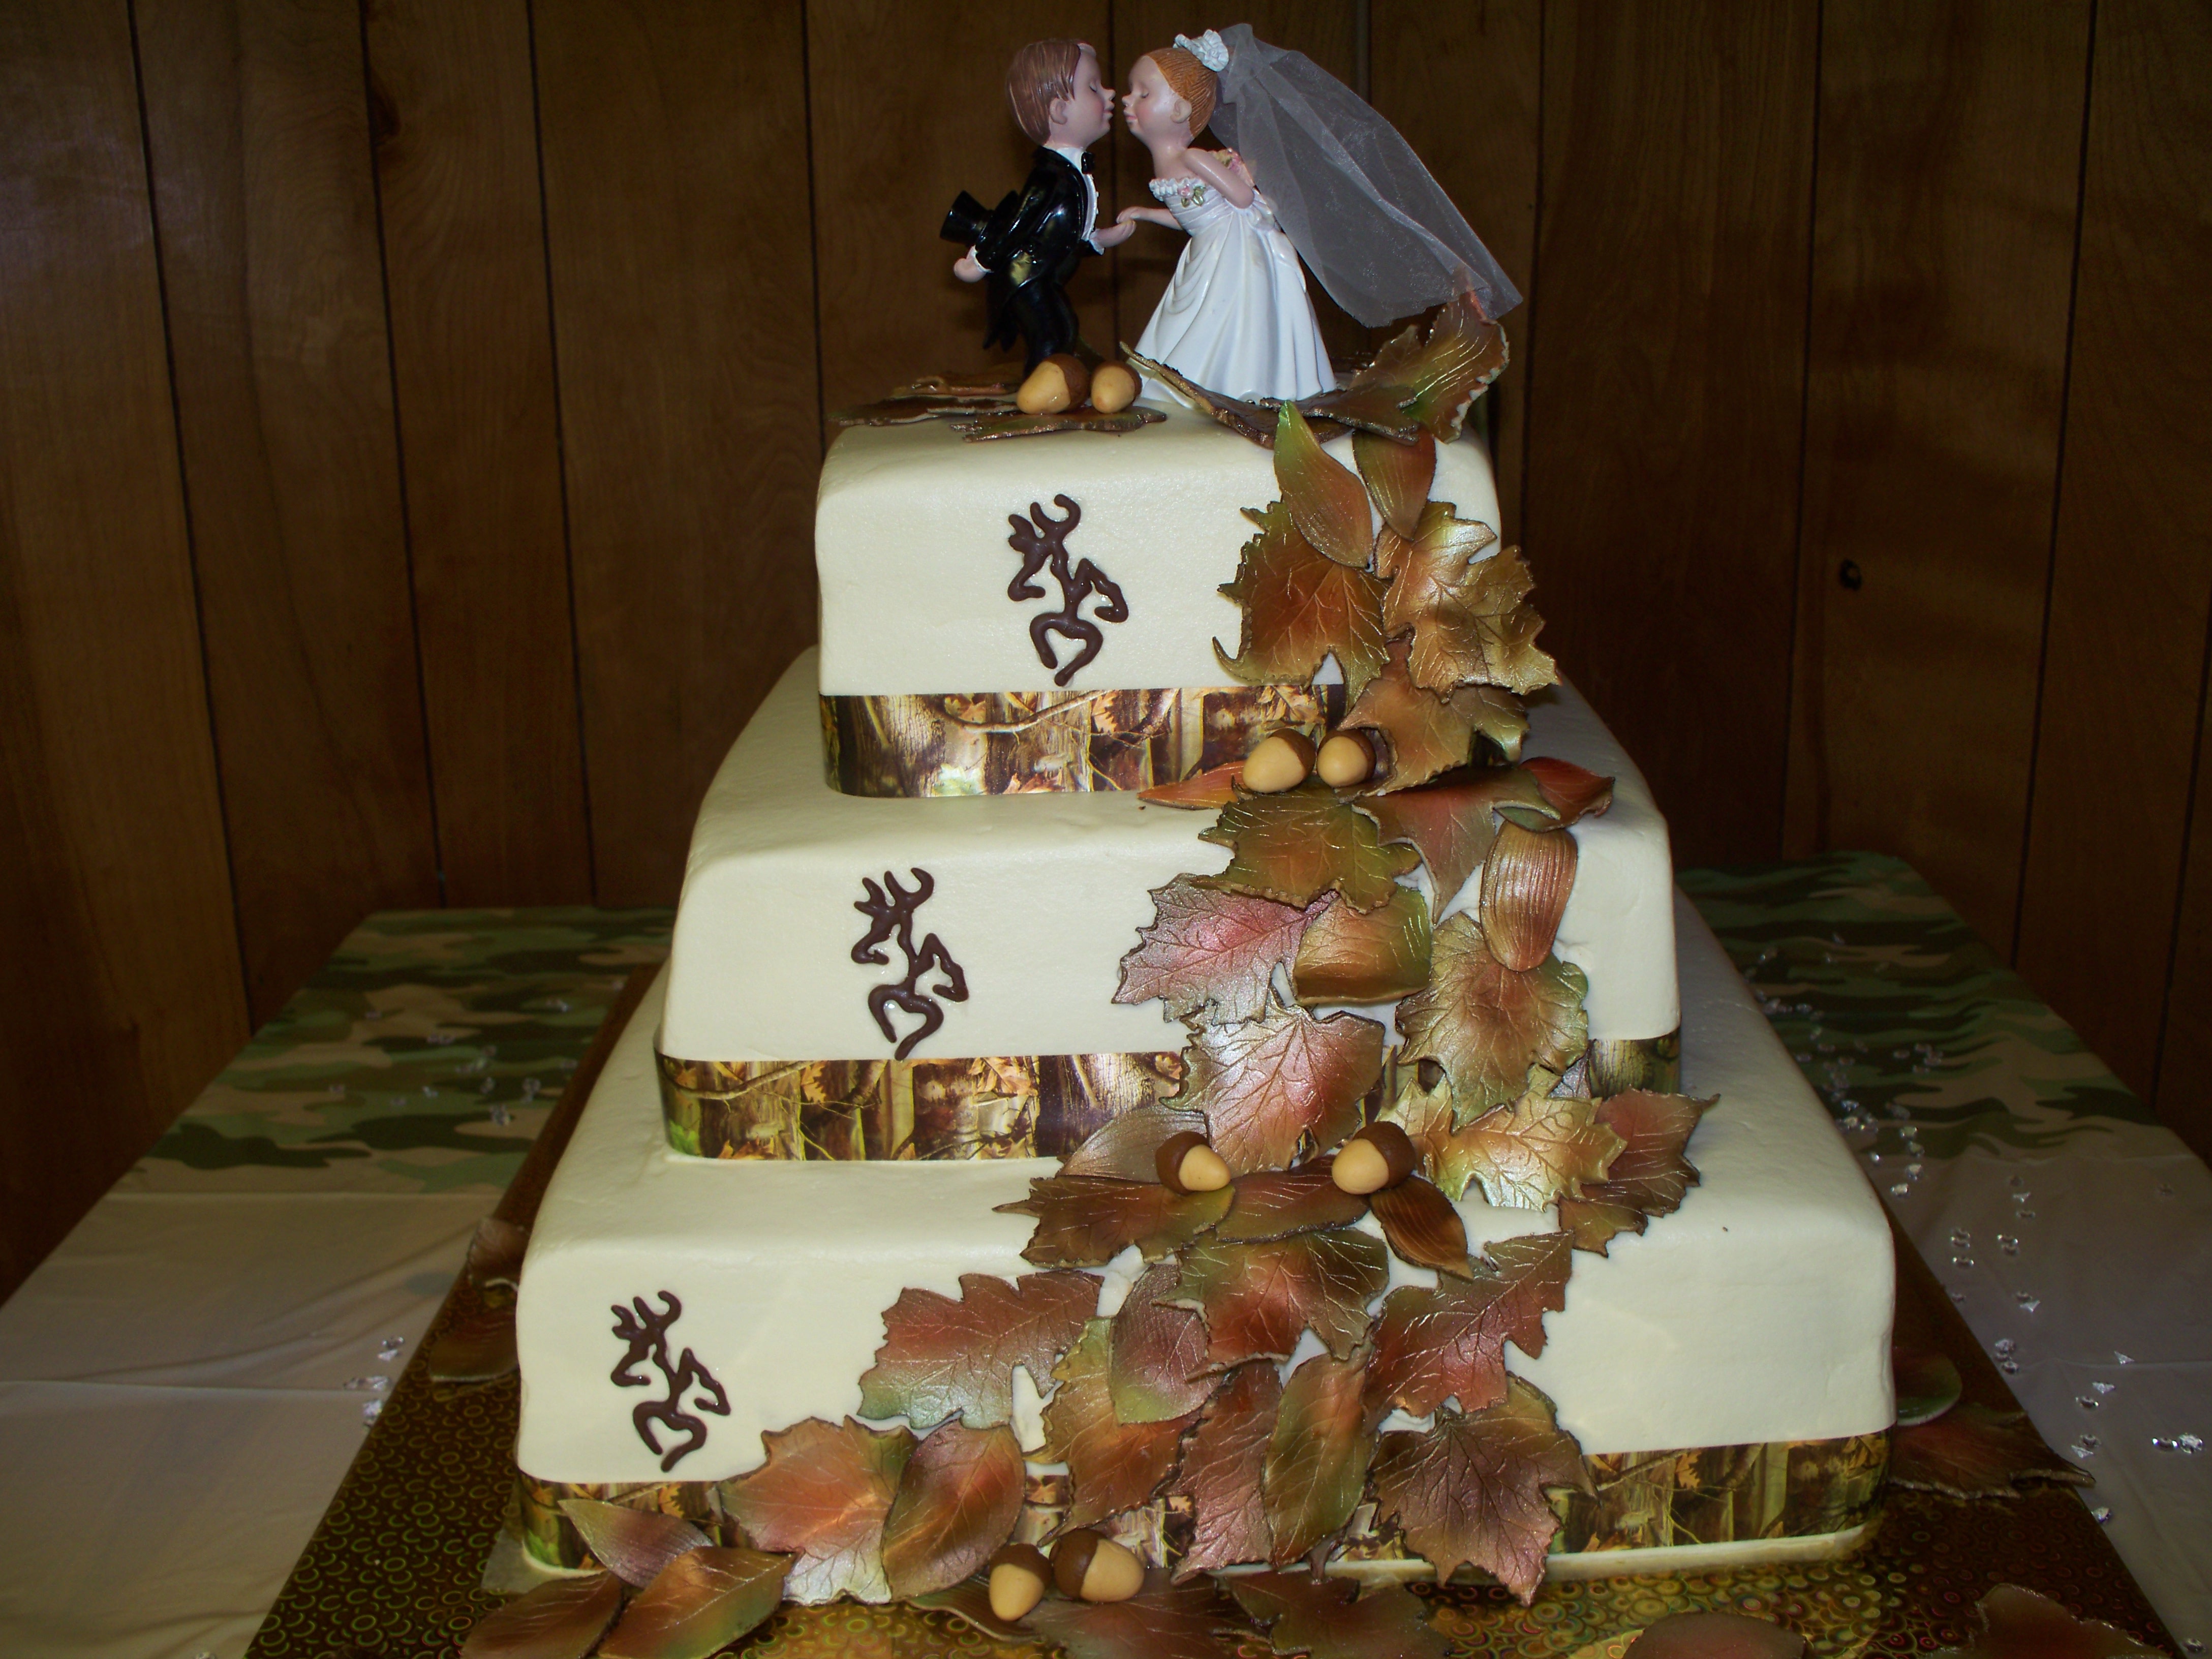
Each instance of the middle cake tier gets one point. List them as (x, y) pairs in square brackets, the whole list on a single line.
[(1000, 923)]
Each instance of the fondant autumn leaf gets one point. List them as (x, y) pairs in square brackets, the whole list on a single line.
[(1429, 733), (1297, 846), (944, 1358), (1573, 791), (1268, 1083), (1647, 1177), (1971, 1451), (1472, 623), (563, 1620), (1421, 1226), (1207, 792), (1331, 1618), (2018, 1624), (1163, 1621), (1317, 1454), (1470, 1490), (957, 1503), (702, 1601), (1086, 1221), (821, 1498), (1526, 882), (1126, 1145), (1257, 1299), (633, 1545), (1497, 715), (1453, 822), (1221, 1472), (1534, 1153), (1299, 607), (1397, 476), (1210, 948), (1347, 955), (1276, 1203), (970, 1602), (1450, 1342), (1927, 1381), (1438, 376), (1486, 1024), (1326, 501), (1111, 1465), (1430, 568), (1158, 1352)]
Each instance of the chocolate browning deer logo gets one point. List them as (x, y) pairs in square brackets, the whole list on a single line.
[(1041, 539), (646, 1333), (890, 910)]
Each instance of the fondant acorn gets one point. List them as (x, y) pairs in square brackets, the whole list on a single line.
[(1061, 381), (1090, 1566), (1113, 388), (1187, 1164), (1279, 761), (1019, 1575), (1347, 760), (1380, 1155)]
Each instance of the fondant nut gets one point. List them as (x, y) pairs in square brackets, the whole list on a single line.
[(1278, 762), (1187, 1164), (1092, 1567), (1019, 1574), (1113, 389), (1346, 761), (1061, 381), (1380, 1155)]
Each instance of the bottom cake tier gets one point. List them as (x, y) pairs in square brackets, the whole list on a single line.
[(1726, 1373)]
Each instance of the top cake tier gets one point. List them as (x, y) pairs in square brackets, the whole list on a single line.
[(911, 541)]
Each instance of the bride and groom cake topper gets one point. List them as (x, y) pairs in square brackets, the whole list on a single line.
[(1311, 170)]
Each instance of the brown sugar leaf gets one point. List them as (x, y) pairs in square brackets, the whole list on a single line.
[(633, 1545), (1364, 956), (1430, 568), (1012, 424), (1257, 1299), (1534, 1153), (820, 1499), (1453, 821), (1212, 950), (1498, 716), (1429, 733), (1715, 1635), (1326, 501), (1574, 792), (495, 1254), (1397, 476), (1647, 1177), (1271, 1083), (1526, 882), (1472, 623), (1470, 1490), (1431, 1346), (563, 1620), (1295, 846), (957, 1503), (1422, 1227), (945, 1358), (1252, 421), (1086, 1221), (702, 1601), (1330, 1619), (474, 1345), (1221, 1472), (1971, 1451), (1300, 607), (1486, 1023), (1126, 1145), (1317, 1454), (1201, 792), (1112, 1466), (2018, 1624), (1158, 1359), (1276, 1203), (1163, 1621)]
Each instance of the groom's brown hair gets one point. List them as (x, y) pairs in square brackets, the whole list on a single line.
[(1042, 71)]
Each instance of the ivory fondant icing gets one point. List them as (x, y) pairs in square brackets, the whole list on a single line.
[(910, 545), (1758, 1312), (1038, 898)]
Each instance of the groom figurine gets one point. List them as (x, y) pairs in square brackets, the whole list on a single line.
[(1029, 246)]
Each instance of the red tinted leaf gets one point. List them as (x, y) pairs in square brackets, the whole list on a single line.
[(820, 1499), (1221, 1473), (633, 1545), (1971, 1451), (1526, 881), (2018, 1624), (1715, 1635), (1397, 476), (1158, 1353), (957, 1503), (1300, 608), (1162, 1621), (1112, 1466), (1422, 1226), (1450, 1342), (1470, 1491), (1321, 1617), (1298, 845), (1211, 950), (1207, 792), (1276, 1203), (1127, 1146), (1647, 1177), (702, 1601), (943, 1358), (1486, 1023), (1326, 500), (1573, 791), (1267, 1084), (1928, 1383), (1084, 1221), (1317, 1455), (1258, 1298), (1370, 955), (559, 1621), (1454, 822)]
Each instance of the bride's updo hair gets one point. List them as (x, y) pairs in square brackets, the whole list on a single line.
[(1190, 80)]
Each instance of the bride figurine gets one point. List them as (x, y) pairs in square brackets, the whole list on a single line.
[(1312, 171)]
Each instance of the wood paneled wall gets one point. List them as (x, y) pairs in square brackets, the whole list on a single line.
[(410, 413)]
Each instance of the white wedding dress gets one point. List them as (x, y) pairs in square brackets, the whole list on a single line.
[(1236, 317)]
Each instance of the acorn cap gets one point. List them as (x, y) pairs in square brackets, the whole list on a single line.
[(1071, 1560), (1186, 1162)]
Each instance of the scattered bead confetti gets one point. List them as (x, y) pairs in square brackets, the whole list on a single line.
[(1962, 1261), (2081, 1450), (2165, 1190), (2104, 1387), (2009, 1245), (2024, 1215), (372, 1411), (2025, 1303), (500, 1117), (2120, 1359), (2089, 1441), (530, 1087), (2087, 1402), (367, 1384), (2191, 1443), (2101, 1513), (389, 1348), (2003, 1345), (2010, 1367), (1898, 1189), (1958, 1295)]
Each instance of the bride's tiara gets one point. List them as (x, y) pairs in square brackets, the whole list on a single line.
[(1209, 49)]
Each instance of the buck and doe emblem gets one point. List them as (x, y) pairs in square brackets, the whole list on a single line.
[(890, 910), (1041, 539), (646, 1333)]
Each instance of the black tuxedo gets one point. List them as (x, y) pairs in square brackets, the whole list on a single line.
[(1030, 244)]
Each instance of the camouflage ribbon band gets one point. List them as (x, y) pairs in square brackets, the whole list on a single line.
[(1644, 1500), (1000, 743), (991, 1106)]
